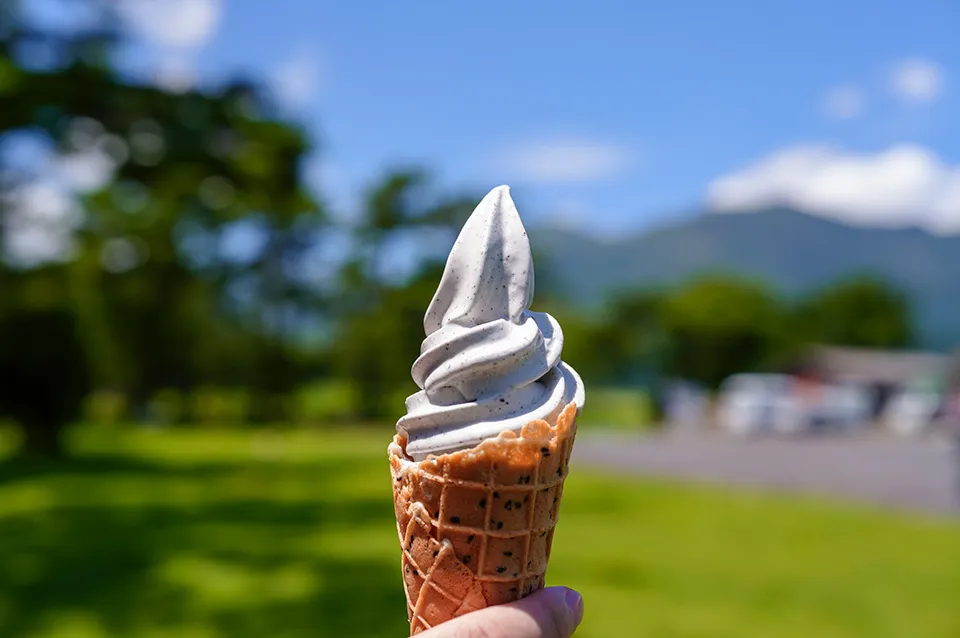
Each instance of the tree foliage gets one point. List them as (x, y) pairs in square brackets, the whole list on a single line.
[(862, 311), (150, 289), (717, 326), (380, 316), (620, 345), (44, 370)]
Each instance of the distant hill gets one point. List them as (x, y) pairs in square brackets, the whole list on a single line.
[(792, 251)]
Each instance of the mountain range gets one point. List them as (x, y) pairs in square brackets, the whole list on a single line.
[(792, 251)]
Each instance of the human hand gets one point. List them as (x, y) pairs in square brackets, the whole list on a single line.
[(554, 612)]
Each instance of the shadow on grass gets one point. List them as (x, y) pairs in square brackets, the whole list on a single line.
[(99, 465), (231, 566), (105, 465)]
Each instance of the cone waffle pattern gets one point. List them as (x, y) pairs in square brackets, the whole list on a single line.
[(476, 526)]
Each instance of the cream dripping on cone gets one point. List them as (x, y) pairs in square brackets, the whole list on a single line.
[(488, 364)]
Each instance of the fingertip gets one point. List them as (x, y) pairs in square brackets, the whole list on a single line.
[(565, 606), (574, 603)]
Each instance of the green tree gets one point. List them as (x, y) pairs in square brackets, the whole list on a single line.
[(862, 311), (376, 349), (156, 299), (380, 315), (620, 344), (717, 326), (44, 369)]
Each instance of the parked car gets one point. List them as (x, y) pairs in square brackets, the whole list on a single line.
[(781, 404), (840, 406), (755, 403), (913, 409)]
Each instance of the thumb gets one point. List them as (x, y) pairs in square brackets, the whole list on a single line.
[(554, 612)]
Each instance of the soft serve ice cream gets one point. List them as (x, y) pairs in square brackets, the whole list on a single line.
[(488, 364), (479, 461)]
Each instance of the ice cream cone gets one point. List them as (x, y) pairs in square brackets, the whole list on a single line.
[(476, 526)]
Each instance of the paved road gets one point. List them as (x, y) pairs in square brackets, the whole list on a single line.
[(912, 474)]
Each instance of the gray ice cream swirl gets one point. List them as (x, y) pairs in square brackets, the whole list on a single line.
[(488, 363)]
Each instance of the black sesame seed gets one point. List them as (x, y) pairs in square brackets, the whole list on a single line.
[(466, 560), (500, 525), (483, 503), (517, 504), (496, 495), (501, 569), (515, 574), (470, 538), (508, 506), (508, 554), (554, 499), (545, 451), (455, 520)]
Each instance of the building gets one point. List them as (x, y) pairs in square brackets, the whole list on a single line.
[(885, 372)]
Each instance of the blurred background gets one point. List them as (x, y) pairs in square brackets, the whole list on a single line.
[(221, 223)]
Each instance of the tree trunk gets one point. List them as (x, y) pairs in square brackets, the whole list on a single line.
[(42, 440)]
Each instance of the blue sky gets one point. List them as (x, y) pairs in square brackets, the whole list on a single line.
[(611, 116)]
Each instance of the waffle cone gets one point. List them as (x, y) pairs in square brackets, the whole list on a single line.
[(476, 526)]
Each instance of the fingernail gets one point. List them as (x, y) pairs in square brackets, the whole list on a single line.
[(575, 605)]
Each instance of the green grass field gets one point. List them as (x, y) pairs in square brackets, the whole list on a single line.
[(201, 534)]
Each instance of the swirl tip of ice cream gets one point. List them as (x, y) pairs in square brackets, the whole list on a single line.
[(489, 273), (488, 363)]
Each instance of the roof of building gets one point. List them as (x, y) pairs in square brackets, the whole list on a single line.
[(876, 366)]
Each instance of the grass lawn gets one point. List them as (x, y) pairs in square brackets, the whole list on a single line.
[(197, 534)]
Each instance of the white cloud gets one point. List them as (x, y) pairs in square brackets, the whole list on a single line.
[(173, 23), (43, 214), (916, 80), (176, 72), (177, 30), (296, 82), (39, 224), (843, 102), (903, 185), (564, 161)]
